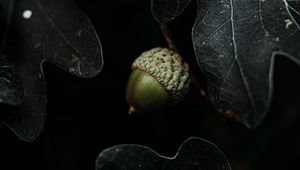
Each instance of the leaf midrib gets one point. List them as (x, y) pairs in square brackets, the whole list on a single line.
[(236, 59), (56, 28)]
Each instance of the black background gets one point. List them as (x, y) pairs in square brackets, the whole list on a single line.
[(86, 116)]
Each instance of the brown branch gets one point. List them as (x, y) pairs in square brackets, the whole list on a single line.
[(197, 84), (171, 44), (168, 37)]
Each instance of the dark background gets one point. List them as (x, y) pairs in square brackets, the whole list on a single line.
[(86, 116)]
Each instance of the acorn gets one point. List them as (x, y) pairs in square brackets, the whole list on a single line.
[(159, 78)]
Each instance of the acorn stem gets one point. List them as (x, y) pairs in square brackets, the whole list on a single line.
[(131, 110)]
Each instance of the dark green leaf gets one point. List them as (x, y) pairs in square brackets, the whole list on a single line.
[(48, 30), (166, 10), (194, 154), (235, 43)]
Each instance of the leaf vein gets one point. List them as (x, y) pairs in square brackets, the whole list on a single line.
[(261, 17), (245, 83)]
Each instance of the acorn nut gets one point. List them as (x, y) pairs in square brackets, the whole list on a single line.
[(160, 78)]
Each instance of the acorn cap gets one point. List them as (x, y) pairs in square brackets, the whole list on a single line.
[(167, 67), (159, 78)]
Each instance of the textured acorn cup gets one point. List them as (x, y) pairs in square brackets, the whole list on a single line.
[(159, 79)]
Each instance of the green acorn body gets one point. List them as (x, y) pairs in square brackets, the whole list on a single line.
[(159, 79)]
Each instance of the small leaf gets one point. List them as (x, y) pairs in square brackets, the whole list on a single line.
[(48, 30), (166, 10), (194, 154)]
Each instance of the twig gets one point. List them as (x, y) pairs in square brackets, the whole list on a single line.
[(200, 89), (168, 37), (171, 44)]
